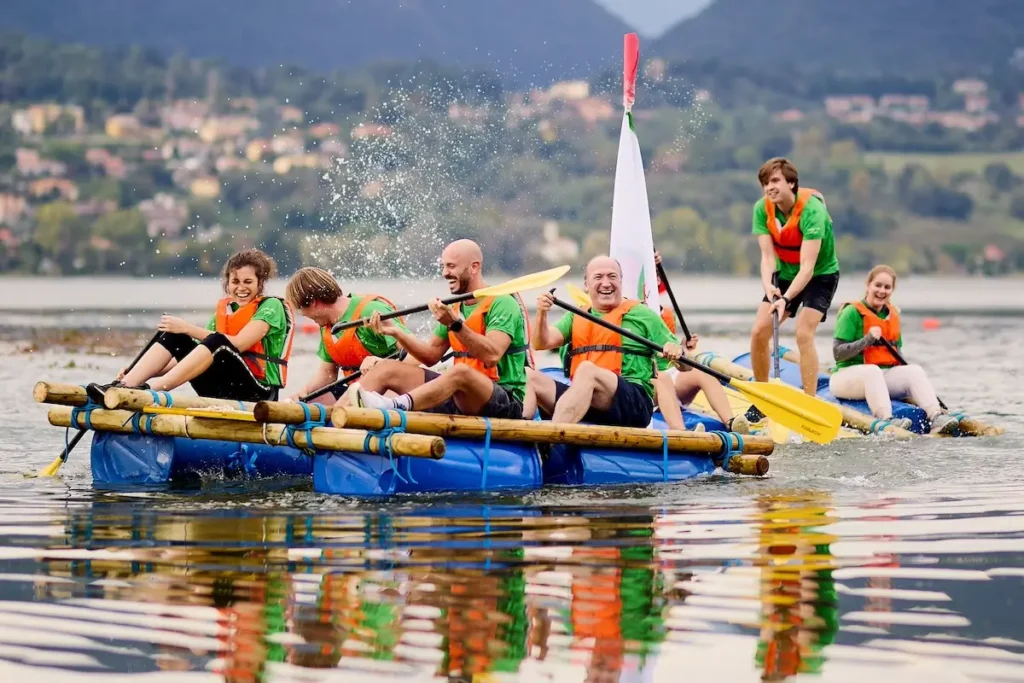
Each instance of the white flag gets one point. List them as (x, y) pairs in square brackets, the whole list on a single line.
[(632, 242)]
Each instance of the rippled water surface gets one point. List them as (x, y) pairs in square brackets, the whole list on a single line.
[(862, 560)]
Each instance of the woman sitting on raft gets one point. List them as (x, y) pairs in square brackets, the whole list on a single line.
[(241, 354), (866, 369)]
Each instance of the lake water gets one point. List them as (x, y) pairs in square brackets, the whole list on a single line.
[(863, 559)]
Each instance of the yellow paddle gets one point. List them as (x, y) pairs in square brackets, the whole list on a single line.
[(519, 284), (240, 415), (738, 404), (811, 417)]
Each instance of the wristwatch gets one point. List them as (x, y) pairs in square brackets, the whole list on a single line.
[(456, 326)]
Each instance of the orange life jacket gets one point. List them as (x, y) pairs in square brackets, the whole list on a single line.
[(878, 354), (230, 323), (669, 318), (788, 239), (347, 351), (597, 343), (475, 322)]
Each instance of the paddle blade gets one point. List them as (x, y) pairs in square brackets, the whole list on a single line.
[(809, 416), (579, 297), (51, 469), (739, 404), (524, 283)]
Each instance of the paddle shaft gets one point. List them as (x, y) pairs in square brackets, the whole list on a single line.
[(775, 330), (348, 379), (81, 432), (672, 298), (721, 377), (339, 327), (903, 361)]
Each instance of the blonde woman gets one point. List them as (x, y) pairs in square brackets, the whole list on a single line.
[(866, 369)]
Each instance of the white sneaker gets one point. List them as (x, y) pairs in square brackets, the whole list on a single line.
[(944, 423), (739, 425), (371, 399), (902, 423), (699, 427)]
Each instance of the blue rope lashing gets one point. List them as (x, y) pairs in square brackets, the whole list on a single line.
[(487, 455), (727, 450), (86, 413), (384, 435), (310, 423), (136, 420), (878, 425), (959, 415), (782, 352), (664, 455), (241, 405), (162, 399)]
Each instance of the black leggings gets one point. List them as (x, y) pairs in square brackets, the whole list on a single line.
[(229, 377)]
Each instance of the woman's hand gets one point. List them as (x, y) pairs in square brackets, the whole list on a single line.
[(169, 323)]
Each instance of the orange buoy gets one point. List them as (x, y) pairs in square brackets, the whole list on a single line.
[(931, 323)]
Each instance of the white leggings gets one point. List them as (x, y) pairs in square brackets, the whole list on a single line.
[(876, 385)]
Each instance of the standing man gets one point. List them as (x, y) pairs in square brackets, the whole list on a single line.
[(799, 269)]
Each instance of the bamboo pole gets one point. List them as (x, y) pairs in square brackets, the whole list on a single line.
[(59, 394), (119, 398), (529, 431), (851, 417), (969, 426), (287, 413), (323, 438), (746, 463)]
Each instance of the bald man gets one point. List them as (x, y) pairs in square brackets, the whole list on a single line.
[(489, 340), (611, 376)]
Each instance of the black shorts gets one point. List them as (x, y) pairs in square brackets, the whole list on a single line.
[(818, 294), (631, 406), (501, 405), (229, 377)]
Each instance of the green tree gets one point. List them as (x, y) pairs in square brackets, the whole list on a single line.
[(58, 233)]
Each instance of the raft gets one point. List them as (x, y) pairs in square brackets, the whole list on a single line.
[(160, 445), (857, 414)]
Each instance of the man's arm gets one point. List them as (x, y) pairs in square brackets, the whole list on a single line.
[(767, 265), (326, 373), (547, 336), (487, 348), (808, 257), (428, 352)]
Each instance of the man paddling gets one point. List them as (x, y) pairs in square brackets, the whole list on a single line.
[(489, 340), (314, 293), (611, 376), (799, 268)]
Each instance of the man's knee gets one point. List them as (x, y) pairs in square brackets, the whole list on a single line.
[(461, 375), (217, 340), (805, 331), (761, 332)]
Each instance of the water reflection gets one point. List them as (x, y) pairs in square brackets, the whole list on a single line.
[(778, 587)]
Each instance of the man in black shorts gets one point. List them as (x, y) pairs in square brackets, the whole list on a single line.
[(611, 375), (799, 268)]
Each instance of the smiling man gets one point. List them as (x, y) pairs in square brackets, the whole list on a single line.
[(487, 335), (611, 376), (799, 268)]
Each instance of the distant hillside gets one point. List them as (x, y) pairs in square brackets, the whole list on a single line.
[(892, 36), (524, 39)]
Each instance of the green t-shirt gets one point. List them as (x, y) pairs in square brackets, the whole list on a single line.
[(640, 320), (850, 328), (815, 224), (379, 345), (271, 311), (503, 316)]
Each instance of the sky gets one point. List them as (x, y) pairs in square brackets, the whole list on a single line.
[(651, 18)]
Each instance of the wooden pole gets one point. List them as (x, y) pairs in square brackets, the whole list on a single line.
[(323, 438), (287, 413), (59, 394), (851, 418), (969, 426), (746, 463), (117, 398), (529, 431)]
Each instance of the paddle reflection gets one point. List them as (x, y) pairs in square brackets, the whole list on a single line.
[(799, 602)]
